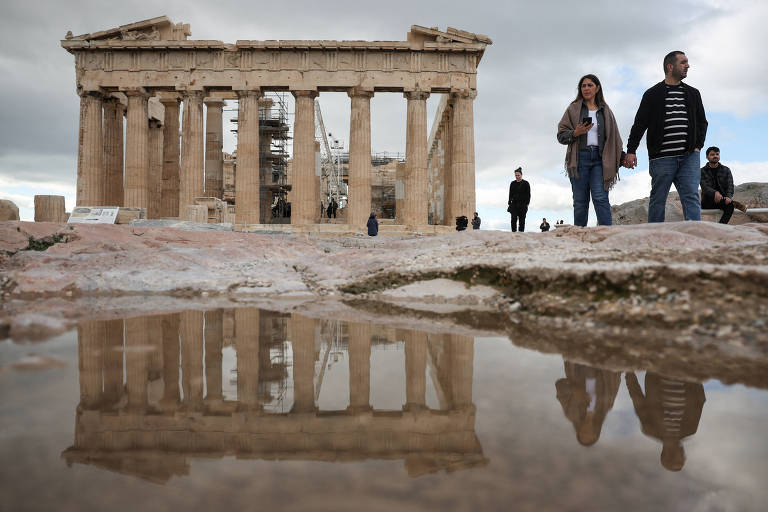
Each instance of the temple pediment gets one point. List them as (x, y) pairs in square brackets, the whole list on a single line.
[(451, 35), (153, 29)]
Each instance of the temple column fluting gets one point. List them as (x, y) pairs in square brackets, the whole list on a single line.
[(214, 158), (113, 361), (191, 335), (463, 154), (191, 171), (359, 157), (90, 151), (247, 175), (305, 196), (113, 152), (154, 209), (136, 193), (416, 199), (90, 342), (462, 356), (169, 195), (214, 342), (137, 361), (303, 345), (170, 334), (359, 366)]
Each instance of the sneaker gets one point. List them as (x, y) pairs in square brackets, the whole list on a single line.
[(740, 206)]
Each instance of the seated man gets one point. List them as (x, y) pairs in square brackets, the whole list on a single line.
[(717, 186)]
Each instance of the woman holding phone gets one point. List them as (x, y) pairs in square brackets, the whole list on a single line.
[(594, 152)]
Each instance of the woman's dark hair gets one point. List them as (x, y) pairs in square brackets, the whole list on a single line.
[(599, 99)]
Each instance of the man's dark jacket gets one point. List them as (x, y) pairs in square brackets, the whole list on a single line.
[(519, 193), (650, 116), (718, 179)]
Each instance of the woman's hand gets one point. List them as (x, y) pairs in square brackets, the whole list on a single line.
[(581, 129)]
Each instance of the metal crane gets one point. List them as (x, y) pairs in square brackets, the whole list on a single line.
[(330, 169)]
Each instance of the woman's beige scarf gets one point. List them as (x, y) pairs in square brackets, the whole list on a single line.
[(611, 150)]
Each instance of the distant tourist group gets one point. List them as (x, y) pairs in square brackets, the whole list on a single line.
[(672, 114)]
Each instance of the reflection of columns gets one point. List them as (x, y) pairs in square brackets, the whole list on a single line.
[(90, 340), (247, 345), (155, 169), (191, 173), (214, 158), (213, 346), (415, 369), (90, 152), (359, 366), (303, 344), (416, 199), (462, 149), (113, 152), (136, 361), (170, 181), (113, 361), (359, 157), (171, 359), (191, 335), (137, 150), (247, 176), (461, 350), (305, 201)]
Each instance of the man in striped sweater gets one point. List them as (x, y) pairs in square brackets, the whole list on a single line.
[(673, 114)]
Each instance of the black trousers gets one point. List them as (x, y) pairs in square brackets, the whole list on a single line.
[(710, 204), (518, 216)]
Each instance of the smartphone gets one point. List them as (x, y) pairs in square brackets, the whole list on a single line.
[(587, 120)]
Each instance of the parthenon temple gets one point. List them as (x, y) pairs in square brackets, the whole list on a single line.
[(150, 72), (156, 391)]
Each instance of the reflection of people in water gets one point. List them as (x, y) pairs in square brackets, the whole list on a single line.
[(587, 394), (669, 411)]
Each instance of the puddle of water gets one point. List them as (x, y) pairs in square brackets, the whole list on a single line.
[(247, 406)]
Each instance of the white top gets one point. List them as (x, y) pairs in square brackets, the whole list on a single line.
[(592, 133)]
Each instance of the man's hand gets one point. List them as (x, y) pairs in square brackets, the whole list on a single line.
[(630, 161), (728, 200), (718, 196)]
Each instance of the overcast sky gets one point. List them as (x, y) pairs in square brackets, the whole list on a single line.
[(525, 80)]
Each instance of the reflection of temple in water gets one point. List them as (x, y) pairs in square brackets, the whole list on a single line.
[(246, 382)]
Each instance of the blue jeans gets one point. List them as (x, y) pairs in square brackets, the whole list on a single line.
[(685, 173), (590, 179)]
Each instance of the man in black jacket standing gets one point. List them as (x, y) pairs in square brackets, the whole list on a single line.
[(717, 186), (519, 197), (673, 114)]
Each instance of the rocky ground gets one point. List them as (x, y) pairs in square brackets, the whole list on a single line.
[(686, 299)]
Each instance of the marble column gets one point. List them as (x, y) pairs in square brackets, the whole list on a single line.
[(463, 154), (136, 194), (213, 359), (305, 201), (169, 195), (170, 329), (90, 151), (303, 345), (462, 356), (90, 343), (214, 158), (191, 336), (154, 210), (415, 370), (191, 172), (359, 157), (247, 345), (450, 212), (247, 176), (416, 199), (113, 361), (359, 366), (113, 152), (137, 361)]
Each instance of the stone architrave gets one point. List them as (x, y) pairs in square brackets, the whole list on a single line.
[(136, 194), (359, 157), (113, 152), (214, 158), (462, 169), (305, 196), (49, 209), (247, 181), (191, 172), (416, 200), (90, 151), (154, 209), (169, 195)]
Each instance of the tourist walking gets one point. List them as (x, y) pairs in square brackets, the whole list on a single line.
[(544, 225), (476, 222), (519, 198), (673, 114), (717, 186), (594, 152), (373, 225)]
